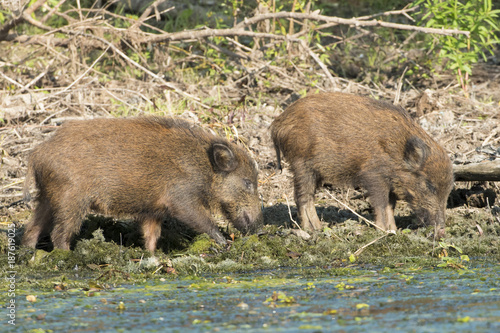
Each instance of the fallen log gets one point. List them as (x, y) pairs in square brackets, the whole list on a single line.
[(484, 171)]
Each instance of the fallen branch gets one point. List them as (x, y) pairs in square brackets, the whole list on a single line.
[(14, 82), (144, 69), (353, 22), (83, 74), (239, 29), (318, 61), (206, 33), (134, 36), (290, 213), (484, 171), (145, 15), (403, 11), (38, 77)]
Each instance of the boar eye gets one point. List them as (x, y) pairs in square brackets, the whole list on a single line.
[(248, 184)]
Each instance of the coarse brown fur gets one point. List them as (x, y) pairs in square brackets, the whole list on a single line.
[(148, 168), (342, 139)]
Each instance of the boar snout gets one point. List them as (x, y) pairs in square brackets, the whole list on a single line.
[(250, 221), (427, 217), (245, 219), (235, 186)]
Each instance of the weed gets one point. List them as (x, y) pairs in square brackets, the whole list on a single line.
[(459, 52)]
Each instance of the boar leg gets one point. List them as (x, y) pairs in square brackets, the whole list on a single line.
[(68, 220), (40, 223), (305, 187), (199, 219), (151, 231), (392, 205), (383, 203)]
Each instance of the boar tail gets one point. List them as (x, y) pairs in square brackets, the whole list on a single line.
[(278, 157), (274, 136), (27, 183)]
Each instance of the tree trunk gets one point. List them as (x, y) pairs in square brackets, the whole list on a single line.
[(484, 171)]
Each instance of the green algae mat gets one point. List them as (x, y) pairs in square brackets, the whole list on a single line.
[(351, 299)]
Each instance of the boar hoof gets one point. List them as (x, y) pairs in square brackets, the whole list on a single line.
[(221, 240), (311, 225), (440, 233), (309, 218)]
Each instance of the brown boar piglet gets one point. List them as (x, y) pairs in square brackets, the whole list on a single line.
[(148, 168), (342, 139)]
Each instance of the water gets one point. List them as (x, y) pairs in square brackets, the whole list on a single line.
[(378, 300)]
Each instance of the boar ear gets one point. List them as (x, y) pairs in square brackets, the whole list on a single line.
[(223, 158), (415, 153)]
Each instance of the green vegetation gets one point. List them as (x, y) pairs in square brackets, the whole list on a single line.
[(459, 52), (99, 256)]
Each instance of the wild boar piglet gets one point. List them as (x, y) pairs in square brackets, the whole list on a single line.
[(148, 168), (341, 139)]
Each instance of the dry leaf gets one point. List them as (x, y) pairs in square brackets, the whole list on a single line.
[(243, 306), (294, 255), (170, 270), (479, 229)]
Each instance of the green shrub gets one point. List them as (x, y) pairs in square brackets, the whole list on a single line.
[(459, 52)]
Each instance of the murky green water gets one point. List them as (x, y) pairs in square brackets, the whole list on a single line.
[(378, 300)]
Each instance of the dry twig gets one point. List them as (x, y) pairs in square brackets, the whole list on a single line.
[(290, 212), (361, 249), (353, 22), (361, 217)]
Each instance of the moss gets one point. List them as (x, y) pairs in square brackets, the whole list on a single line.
[(88, 252), (201, 244), (192, 265)]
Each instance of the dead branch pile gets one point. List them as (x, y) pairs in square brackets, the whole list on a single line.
[(91, 30)]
